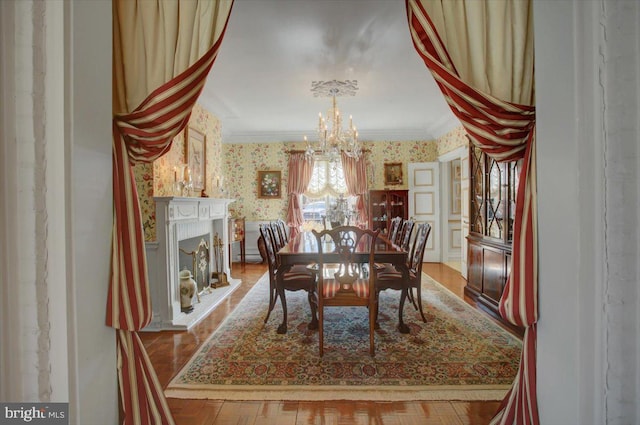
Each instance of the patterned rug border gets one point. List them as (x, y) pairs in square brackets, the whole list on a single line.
[(336, 392)]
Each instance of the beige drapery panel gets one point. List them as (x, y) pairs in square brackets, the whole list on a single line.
[(484, 46), (150, 46), (355, 174), (162, 52), (481, 54), (300, 171)]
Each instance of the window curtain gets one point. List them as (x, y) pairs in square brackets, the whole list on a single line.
[(162, 53), (481, 56), (300, 170), (355, 174), (327, 179)]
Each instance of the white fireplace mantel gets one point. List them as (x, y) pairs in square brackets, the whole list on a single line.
[(177, 219)]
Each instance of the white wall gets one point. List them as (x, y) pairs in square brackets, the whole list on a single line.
[(587, 120), (55, 214), (34, 331), (92, 210)]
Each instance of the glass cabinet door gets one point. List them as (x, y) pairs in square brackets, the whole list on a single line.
[(476, 206), (492, 200), (514, 180), (495, 196)]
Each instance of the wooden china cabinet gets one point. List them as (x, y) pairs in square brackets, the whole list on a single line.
[(492, 188), (385, 205)]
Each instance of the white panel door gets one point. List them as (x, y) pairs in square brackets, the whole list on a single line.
[(424, 203), (451, 211)]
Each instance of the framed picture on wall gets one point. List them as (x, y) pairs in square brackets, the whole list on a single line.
[(393, 173), (269, 183), (195, 155)]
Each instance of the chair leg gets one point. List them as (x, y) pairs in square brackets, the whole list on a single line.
[(273, 297), (321, 329), (376, 308), (412, 299), (372, 324), (419, 296), (313, 304), (402, 327), (282, 329)]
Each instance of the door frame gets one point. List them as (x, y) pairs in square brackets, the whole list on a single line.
[(459, 153)]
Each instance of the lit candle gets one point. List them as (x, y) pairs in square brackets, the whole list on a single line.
[(175, 174), (217, 181), (187, 174)]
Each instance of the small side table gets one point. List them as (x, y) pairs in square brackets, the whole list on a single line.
[(236, 234)]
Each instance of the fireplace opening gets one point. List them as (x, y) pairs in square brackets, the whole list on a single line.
[(194, 256)]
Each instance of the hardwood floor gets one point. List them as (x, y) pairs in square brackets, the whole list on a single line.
[(169, 351)]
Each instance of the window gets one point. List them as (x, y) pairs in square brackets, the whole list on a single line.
[(327, 179), (326, 187)]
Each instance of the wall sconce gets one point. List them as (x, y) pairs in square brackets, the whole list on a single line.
[(217, 183)]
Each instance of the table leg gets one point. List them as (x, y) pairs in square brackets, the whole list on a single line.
[(313, 304)]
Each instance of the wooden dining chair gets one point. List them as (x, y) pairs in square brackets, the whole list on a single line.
[(405, 239), (284, 235), (296, 278), (277, 235), (401, 230), (390, 278), (342, 278), (396, 223)]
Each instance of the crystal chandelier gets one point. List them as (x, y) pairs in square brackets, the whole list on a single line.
[(332, 138)]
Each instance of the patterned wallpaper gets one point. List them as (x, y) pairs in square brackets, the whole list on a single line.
[(452, 140), (157, 179), (243, 160), (239, 163)]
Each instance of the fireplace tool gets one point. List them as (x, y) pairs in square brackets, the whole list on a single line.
[(218, 254)]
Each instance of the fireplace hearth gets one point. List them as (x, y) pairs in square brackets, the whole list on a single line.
[(185, 226)]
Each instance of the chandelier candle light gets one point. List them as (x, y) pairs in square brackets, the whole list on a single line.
[(332, 138)]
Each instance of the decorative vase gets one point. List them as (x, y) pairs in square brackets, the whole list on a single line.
[(188, 288)]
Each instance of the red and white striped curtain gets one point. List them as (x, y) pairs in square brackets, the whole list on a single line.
[(486, 75), (355, 175), (300, 172), (163, 52)]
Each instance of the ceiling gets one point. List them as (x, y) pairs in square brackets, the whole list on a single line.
[(260, 84)]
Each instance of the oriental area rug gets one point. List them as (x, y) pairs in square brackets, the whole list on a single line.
[(459, 354)]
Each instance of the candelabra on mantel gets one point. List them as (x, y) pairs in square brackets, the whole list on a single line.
[(332, 138), (182, 180)]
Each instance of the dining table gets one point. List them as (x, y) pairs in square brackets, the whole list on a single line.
[(303, 249)]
